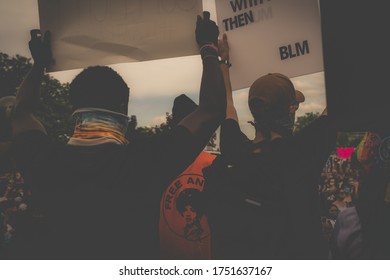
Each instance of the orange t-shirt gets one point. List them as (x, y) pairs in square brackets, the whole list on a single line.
[(184, 230)]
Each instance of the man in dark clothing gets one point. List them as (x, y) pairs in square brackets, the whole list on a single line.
[(97, 195), (266, 205)]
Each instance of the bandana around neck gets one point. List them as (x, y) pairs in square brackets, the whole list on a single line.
[(98, 126)]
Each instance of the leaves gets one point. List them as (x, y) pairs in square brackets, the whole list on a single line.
[(54, 110), (303, 121)]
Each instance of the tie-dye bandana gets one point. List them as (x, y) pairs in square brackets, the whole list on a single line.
[(98, 126)]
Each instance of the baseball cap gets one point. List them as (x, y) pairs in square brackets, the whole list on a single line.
[(275, 90), (299, 96)]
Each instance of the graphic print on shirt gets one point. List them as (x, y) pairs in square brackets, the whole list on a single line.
[(183, 209)]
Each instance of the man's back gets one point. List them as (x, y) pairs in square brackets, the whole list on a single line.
[(266, 205), (98, 202)]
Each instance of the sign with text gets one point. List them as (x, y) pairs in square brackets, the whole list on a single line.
[(271, 36), (92, 32)]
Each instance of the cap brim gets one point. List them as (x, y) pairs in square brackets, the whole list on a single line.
[(299, 96)]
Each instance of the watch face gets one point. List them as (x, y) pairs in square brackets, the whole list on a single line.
[(227, 62)]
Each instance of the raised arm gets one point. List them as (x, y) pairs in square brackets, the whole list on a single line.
[(212, 98), (223, 48), (27, 97)]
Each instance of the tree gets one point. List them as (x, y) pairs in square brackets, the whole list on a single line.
[(54, 110), (12, 72), (349, 139), (303, 121), (135, 132), (344, 139), (165, 126)]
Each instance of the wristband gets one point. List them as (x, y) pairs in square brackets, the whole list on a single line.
[(209, 56), (208, 46), (209, 50)]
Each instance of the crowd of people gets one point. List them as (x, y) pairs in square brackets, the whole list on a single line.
[(14, 207), (338, 189), (104, 196)]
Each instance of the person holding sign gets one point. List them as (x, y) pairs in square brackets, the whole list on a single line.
[(261, 193), (184, 230), (97, 195)]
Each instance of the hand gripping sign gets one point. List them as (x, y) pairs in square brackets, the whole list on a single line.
[(271, 36), (91, 32)]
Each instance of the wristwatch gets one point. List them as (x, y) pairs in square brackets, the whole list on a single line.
[(226, 62)]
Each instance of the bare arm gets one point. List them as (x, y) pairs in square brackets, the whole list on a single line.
[(212, 98), (223, 48), (27, 97)]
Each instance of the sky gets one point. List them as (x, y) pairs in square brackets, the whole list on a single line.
[(153, 84)]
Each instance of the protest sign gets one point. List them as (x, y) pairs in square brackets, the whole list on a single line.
[(91, 32), (271, 36)]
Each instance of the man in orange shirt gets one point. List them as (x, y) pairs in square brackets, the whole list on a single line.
[(184, 230)]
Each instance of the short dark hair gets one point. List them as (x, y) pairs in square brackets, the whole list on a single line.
[(99, 87), (191, 197)]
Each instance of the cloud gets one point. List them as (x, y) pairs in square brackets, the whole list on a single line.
[(158, 120), (312, 85), (308, 108)]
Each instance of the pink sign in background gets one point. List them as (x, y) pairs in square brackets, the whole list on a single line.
[(345, 152)]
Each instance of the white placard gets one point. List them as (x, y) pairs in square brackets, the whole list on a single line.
[(271, 36), (101, 32)]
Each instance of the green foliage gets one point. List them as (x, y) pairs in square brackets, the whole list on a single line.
[(349, 139), (54, 110), (303, 121), (139, 132), (165, 126), (135, 132), (12, 72), (344, 139)]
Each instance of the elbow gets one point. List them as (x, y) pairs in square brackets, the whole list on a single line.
[(216, 112)]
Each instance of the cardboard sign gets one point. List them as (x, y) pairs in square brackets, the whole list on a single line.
[(101, 32), (356, 63), (271, 36)]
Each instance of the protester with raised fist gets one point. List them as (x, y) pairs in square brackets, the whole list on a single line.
[(99, 195)]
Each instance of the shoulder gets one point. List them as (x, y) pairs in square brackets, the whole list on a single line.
[(233, 140)]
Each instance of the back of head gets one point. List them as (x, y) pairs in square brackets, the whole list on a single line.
[(99, 87), (270, 97), (182, 107)]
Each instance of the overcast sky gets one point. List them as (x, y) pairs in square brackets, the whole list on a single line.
[(153, 84)]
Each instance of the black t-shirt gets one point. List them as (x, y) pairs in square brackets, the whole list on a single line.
[(98, 202), (283, 179)]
